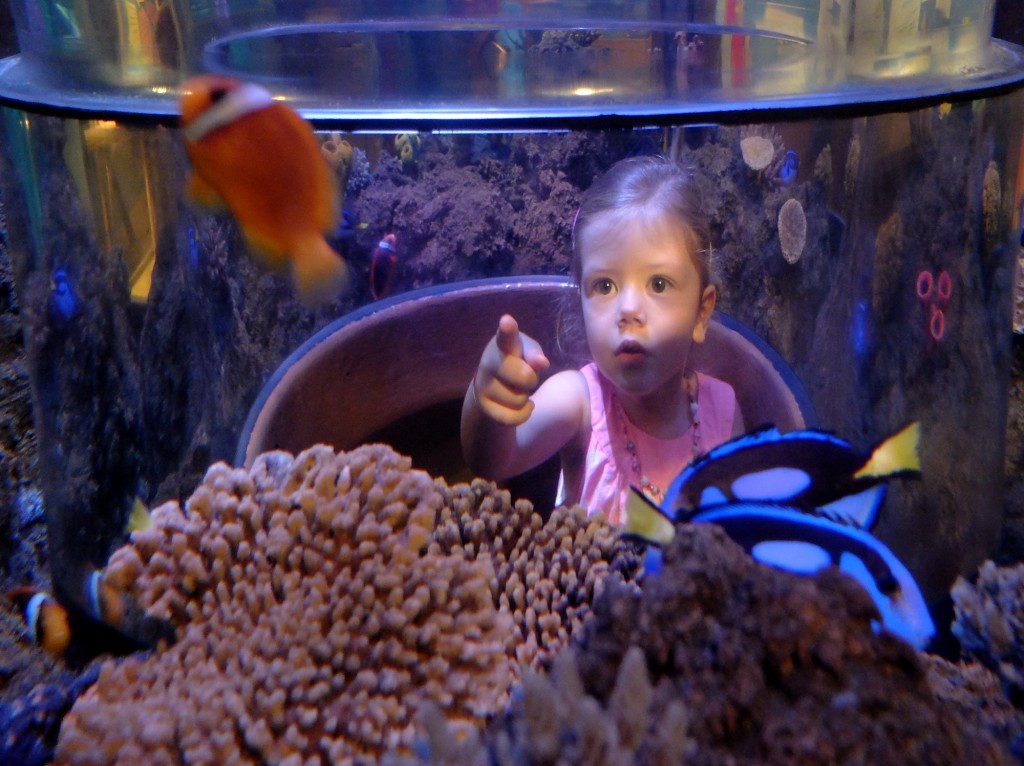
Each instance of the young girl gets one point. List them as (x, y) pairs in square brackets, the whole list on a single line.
[(638, 413)]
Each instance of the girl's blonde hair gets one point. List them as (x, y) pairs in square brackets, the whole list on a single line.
[(655, 185)]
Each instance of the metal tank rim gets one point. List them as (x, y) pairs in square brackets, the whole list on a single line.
[(26, 85)]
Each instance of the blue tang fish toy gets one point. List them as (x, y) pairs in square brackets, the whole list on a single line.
[(811, 470), (62, 295), (790, 167), (799, 501)]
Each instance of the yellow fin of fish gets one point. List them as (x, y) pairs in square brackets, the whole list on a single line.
[(263, 250), (319, 274), (645, 521), (897, 453), (139, 518)]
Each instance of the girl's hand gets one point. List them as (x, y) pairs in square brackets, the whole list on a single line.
[(509, 372)]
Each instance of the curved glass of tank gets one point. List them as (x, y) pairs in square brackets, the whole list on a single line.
[(860, 165)]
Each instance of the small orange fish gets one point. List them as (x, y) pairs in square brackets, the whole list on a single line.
[(45, 619), (261, 160), (382, 266), (103, 601)]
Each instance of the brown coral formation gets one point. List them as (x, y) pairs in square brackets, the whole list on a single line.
[(991, 204), (823, 167), (320, 600), (758, 152), (753, 666), (792, 230), (990, 622), (852, 167), (480, 207), (761, 148), (340, 156), (338, 152), (565, 41), (975, 692), (1018, 296), (889, 263)]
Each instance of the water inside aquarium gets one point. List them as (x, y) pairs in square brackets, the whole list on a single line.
[(859, 165), (151, 328)]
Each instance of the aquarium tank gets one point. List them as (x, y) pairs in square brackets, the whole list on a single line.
[(860, 163)]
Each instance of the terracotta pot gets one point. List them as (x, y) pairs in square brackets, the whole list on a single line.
[(397, 370)]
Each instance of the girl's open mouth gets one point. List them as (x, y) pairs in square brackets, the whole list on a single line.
[(630, 352)]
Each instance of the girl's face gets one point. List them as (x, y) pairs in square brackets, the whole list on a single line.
[(643, 305)]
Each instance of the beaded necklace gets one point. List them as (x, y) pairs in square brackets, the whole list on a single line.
[(648, 487)]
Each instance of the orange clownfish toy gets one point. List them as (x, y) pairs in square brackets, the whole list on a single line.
[(260, 159)]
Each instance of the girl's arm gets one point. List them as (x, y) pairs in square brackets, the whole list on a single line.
[(738, 426), (505, 430)]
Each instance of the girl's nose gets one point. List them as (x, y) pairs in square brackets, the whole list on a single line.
[(631, 309)]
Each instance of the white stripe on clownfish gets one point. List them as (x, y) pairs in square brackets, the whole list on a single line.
[(244, 99), (32, 609)]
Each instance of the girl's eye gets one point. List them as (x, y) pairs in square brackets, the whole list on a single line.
[(603, 286), (659, 284)]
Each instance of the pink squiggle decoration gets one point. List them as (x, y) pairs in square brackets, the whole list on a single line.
[(934, 294), (937, 323), (925, 282), (943, 288)]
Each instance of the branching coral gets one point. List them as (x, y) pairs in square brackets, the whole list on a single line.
[(548, 573), (554, 720), (990, 622), (360, 175), (975, 692), (320, 600)]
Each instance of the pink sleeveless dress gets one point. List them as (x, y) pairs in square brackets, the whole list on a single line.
[(608, 471)]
